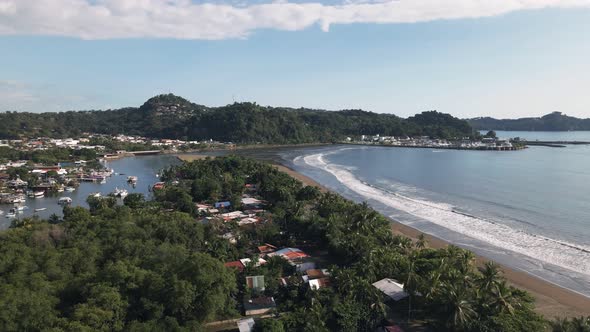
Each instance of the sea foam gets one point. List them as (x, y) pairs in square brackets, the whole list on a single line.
[(566, 255)]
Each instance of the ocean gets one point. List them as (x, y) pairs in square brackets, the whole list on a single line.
[(529, 210)]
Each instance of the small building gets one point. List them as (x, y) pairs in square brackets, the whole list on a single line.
[(391, 288), (255, 282), (235, 265), (316, 284), (221, 205), (266, 249), (259, 305), (246, 325)]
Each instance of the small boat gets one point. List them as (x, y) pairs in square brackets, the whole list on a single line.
[(70, 189), (18, 199), (20, 208), (119, 193), (1, 212), (40, 209), (10, 215), (36, 194), (96, 194), (63, 201), (132, 179), (60, 189)]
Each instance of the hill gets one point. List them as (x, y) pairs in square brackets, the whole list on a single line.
[(170, 116), (555, 121)]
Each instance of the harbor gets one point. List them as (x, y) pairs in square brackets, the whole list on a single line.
[(142, 171)]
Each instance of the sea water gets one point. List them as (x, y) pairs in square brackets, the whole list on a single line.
[(529, 209)]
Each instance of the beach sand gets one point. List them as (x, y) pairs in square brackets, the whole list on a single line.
[(551, 300)]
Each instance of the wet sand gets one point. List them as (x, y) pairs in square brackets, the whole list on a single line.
[(551, 300)]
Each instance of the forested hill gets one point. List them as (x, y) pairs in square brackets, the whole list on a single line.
[(555, 121), (170, 116)]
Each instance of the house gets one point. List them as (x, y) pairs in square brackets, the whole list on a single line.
[(246, 325), (266, 249), (232, 215), (236, 265), (319, 283), (259, 305), (230, 237), (255, 282), (296, 257), (246, 261), (289, 253), (391, 288), (219, 205), (251, 201), (317, 278)]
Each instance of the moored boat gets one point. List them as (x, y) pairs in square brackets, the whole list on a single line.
[(40, 209), (64, 201)]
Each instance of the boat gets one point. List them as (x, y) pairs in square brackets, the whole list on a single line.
[(132, 179), (96, 194), (63, 201), (40, 209), (18, 199), (36, 194), (11, 213), (70, 189), (119, 193), (20, 208), (1, 212)]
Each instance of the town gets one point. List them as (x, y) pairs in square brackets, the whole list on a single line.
[(466, 143)]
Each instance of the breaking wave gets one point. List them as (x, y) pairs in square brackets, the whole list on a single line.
[(559, 253)]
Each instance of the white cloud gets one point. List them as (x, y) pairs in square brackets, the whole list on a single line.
[(185, 19)]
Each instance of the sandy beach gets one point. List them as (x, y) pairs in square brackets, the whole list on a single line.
[(551, 300)]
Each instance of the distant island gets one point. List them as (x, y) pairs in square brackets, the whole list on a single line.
[(555, 121), (173, 117)]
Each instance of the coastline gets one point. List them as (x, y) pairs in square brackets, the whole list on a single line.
[(551, 300)]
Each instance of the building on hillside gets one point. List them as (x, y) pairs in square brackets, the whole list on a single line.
[(255, 283), (259, 306), (391, 288), (246, 325)]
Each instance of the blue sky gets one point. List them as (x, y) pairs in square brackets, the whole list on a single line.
[(524, 62)]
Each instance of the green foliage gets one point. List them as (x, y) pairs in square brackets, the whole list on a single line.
[(555, 121), (169, 116)]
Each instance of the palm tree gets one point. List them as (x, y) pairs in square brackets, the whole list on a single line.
[(421, 243), (503, 300), (411, 283), (458, 311)]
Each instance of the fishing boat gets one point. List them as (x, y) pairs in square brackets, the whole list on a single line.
[(132, 179), (20, 208), (36, 194), (40, 209), (70, 189), (11, 213), (63, 201), (19, 199)]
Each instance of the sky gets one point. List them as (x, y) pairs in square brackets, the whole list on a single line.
[(469, 58)]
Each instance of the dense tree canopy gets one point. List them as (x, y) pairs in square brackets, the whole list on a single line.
[(555, 121), (151, 265), (169, 116)]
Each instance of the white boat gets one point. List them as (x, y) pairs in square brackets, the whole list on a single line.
[(96, 194), (1, 212), (70, 189), (40, 209), (36, 194), (132, 179), (20, 208), (60, 189), (19, 199), (120, 192), (63, 201), (10, 215)]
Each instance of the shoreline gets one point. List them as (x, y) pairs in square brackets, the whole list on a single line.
[(551, 300)]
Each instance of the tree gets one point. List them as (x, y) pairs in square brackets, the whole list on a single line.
[(491, 134), (134, 200), (269, 325)]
